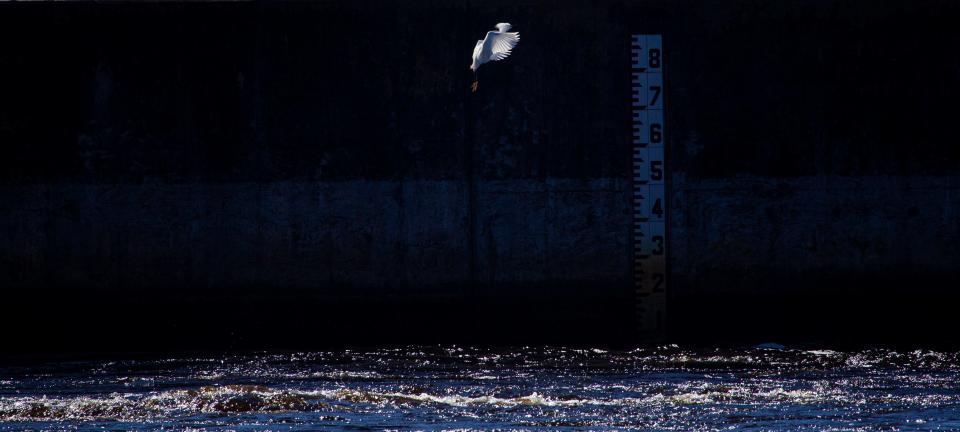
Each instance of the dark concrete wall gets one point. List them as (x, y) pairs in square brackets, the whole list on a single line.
[(373, 237), (300, 165)]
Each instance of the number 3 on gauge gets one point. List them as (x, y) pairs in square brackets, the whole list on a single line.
[(659, 241)]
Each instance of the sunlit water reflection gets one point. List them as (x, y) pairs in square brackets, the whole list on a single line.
[(667, 388)]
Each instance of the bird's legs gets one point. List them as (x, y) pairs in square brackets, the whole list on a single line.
[(476, 83)]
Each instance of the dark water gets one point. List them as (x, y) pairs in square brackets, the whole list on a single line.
[(667, 388)]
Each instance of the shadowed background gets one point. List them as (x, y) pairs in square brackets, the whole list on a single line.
[(238, 175)]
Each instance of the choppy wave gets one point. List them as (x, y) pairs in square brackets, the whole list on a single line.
[(241, 399), (664, 388), (208, 399), (259, 399)]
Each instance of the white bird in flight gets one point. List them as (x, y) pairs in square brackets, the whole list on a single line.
[(496, 46)]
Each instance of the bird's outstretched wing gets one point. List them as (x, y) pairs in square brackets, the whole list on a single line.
[(478, 49), (499, 45)]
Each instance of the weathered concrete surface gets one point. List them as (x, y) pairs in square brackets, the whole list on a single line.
[(374, 237), (825, 259), (755, 227), (301, 265)]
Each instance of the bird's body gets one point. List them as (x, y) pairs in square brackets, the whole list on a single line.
[(497, 45)]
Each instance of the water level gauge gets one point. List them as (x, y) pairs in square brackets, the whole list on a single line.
[(649, 186)]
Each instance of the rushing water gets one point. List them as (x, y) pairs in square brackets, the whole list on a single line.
[(667, 388)]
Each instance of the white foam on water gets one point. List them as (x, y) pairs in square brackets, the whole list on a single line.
[(822, 352), (556, 389)]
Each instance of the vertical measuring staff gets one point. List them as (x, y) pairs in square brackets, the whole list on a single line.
[(649, 199)]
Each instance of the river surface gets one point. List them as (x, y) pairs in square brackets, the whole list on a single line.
[(450, 387)]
